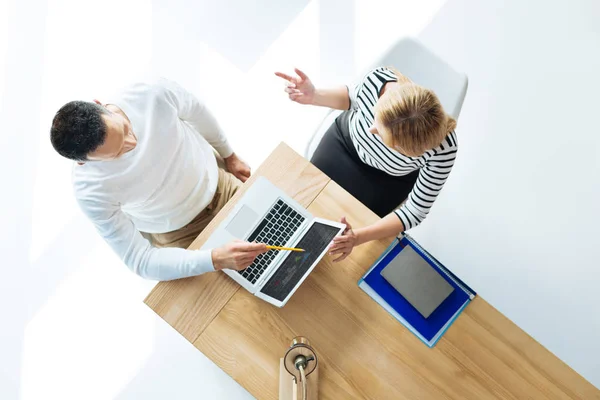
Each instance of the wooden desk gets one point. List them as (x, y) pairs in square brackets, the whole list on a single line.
[(363, 351)]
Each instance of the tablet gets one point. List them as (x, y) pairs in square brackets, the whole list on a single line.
[(417, 281)]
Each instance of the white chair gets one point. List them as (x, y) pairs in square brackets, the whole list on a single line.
[(420, 65)]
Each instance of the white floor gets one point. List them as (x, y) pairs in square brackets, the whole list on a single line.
[(73, 323)]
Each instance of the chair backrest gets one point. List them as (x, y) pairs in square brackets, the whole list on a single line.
[(418, 63)]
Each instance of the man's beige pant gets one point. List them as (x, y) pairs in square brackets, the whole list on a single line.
[(226, 188)]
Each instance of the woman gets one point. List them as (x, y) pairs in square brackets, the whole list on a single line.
[(393, 144)]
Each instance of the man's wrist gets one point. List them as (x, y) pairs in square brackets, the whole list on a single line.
[(216, 260), (224, 149)]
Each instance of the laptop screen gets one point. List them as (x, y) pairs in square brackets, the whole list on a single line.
[(295, 265)]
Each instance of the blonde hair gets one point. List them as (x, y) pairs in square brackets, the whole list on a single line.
[(413, 116)]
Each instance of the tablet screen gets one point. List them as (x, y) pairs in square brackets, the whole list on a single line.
[(295, 265)]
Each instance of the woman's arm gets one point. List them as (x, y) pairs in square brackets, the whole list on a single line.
[(336, 98), (429, 183), (388, 226), (301, 90)]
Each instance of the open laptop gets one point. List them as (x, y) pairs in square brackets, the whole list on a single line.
[(265, 214)]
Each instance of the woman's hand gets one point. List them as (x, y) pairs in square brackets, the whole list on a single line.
[(344, 244), (299, 88), (384, 228)]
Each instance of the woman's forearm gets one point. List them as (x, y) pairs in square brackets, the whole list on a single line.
[(386, 227), (336, 98)]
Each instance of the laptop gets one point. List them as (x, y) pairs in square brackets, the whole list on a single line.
[(265, 214)]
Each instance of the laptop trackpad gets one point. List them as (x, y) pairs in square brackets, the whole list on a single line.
[(243, 220)]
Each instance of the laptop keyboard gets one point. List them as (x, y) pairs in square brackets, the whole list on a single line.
[(275, 229)]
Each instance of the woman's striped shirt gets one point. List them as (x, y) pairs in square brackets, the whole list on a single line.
[(435, 165)]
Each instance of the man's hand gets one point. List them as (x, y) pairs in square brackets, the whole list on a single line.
[(344, 244), (237, 167), (237, 255)]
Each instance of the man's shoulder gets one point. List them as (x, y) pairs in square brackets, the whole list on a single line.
[(144, 84), (142, 94), (87, 182)]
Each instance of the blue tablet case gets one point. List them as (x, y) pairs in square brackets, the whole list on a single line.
[(430, 329)]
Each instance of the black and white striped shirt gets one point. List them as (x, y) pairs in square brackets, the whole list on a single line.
[(435, 165)]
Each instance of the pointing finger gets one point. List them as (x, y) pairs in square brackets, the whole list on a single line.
[(254, 248), (284, 76)]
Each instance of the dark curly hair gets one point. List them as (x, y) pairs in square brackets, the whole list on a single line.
[(78, 129)]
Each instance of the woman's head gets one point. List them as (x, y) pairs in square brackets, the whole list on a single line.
[(410, 118)]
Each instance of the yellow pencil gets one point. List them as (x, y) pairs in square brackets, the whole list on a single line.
[(283, 248)]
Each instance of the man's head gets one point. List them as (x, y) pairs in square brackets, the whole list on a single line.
[(86, 131)]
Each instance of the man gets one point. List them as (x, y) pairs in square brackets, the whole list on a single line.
[(145, 163)]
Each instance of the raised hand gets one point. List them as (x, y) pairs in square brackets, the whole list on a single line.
[(299, 87)]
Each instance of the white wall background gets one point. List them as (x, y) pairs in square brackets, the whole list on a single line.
[(73, 324), (519, 219)]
